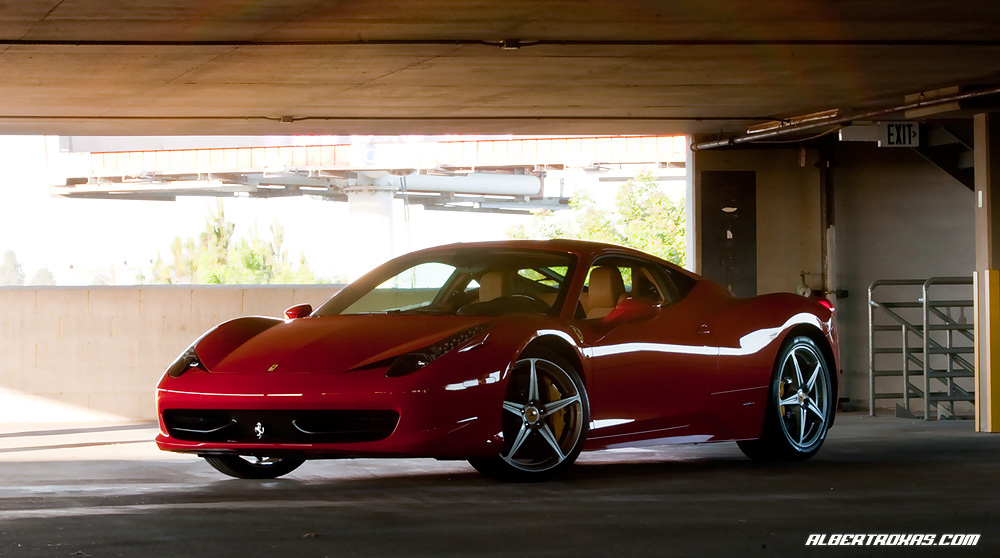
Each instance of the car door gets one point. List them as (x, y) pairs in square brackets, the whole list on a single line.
[(650, 372)]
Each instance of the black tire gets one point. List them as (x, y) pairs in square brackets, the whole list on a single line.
[(800, 405), (544, 430), (252, 467)]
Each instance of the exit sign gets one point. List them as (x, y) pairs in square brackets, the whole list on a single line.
[(899, 134)]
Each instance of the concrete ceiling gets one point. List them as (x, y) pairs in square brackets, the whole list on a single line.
[(152, 67)]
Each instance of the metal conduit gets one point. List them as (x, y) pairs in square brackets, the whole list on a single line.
[(514, 44), (823, 123)]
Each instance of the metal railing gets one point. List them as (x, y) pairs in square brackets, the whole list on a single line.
[(933, 345)]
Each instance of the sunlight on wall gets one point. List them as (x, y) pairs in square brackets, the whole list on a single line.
[(77, 354), (19, 407)]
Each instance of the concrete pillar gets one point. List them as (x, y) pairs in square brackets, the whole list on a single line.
[(691, 234), (987, 278), (369, 208)]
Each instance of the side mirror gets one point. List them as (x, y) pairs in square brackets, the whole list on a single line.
[(298, 311), (633, 310)]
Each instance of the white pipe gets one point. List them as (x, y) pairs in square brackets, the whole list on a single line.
[(475, 183)]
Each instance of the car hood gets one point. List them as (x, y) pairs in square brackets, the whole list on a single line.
[(337, 343)]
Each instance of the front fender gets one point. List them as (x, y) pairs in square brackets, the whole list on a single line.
[(517, 333)]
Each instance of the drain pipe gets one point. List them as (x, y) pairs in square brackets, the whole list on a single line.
[(828, 228), (813, 125)]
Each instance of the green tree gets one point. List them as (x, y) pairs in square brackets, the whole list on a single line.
[(10, 270), (212, 254), (43, 277), (651, 220), (644, 218), (278, 253), (217, 258)]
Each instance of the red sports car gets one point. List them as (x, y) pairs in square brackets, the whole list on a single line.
[(515, 356)]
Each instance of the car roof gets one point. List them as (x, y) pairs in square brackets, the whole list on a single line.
[(584, 249), (581, 248)]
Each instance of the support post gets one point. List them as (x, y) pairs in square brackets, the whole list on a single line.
[(692, 248), (987, 277), (370, 211)]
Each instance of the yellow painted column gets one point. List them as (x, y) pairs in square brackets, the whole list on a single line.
[(988, 351), (987, 277), (993, 337)]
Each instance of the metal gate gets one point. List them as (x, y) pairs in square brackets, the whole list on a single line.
[(920, 340)]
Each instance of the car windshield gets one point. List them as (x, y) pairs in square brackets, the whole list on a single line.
[(470, 282)]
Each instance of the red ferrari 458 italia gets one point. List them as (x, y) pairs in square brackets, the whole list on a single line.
[(515, 356)]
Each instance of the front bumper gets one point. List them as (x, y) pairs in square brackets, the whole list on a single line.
[(441, 414)]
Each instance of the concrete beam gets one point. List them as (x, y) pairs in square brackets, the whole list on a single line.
[(305, 67)]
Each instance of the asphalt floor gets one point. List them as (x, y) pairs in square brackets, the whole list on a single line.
[(104, 490)]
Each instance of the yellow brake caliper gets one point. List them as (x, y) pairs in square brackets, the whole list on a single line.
[(557, 421)]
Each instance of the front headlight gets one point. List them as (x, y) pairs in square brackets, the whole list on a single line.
[(189, 358), (415, 360), (186, 361)]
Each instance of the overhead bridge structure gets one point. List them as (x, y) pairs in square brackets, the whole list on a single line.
[(498, 175)]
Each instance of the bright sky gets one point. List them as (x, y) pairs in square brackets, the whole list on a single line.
[(78, 239), (94, 235)]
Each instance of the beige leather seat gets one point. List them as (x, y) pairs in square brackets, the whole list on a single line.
[(494, 284), (606, 289)]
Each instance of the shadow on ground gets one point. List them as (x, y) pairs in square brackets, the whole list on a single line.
[(873, 476)]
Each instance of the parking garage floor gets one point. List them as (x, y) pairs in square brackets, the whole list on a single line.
[(104, 490)]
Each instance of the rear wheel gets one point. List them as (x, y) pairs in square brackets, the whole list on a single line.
[(545, 417), (799, 407), (253, 467)]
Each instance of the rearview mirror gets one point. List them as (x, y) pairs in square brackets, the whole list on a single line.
[(298, 311), (633, 310)]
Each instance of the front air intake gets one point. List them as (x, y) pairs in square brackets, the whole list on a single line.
[(280, 427)]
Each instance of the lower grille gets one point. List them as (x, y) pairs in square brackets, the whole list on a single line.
[(270, 426)]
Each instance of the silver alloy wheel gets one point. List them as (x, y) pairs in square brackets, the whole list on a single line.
[(803, 396), (543, 416), (258, 461), (253, 467)]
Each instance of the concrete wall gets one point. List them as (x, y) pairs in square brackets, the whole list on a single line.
[(788, 223), (96, 353), (898, 217)]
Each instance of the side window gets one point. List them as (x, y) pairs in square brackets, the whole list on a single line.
[(646, 285), (626, 273), (681, 284), (614, 278), (540, 278), (472, 287)]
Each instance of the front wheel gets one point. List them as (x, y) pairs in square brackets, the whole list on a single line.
[(800, 405), (253, 467), (545, 418)]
